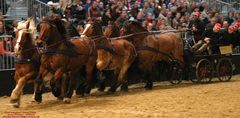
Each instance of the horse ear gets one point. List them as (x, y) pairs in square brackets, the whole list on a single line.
[(28, 24), (32, 24)]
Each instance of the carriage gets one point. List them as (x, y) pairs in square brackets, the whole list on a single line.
[(202, 68)]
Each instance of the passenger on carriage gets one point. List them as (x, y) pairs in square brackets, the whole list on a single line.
[(229, 37), (209, 42), (237, 31), (197, 26)]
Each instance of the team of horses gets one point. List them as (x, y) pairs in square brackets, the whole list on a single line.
[(72, 63)]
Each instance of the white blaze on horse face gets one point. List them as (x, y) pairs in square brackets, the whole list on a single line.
[(84, 31), (17, 46)]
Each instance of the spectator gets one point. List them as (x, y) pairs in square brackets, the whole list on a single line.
[(225, 25), (55, 8), (93, 11), (123, 17), (211, 24), (78, 12), (107, 17), (202, 6), (2, 28), (134, 11), (230, 17)]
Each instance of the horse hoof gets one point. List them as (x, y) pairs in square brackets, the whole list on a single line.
[(79, 95), (15, 103), (38, 99), (67, 100), (34, 102), (59, 98), (124, 88), (101, 90), (110, 92), (148, 87)]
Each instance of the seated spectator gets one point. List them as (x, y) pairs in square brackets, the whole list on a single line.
[(3, 50), (2, 29), (149, 19), (150, 27), (225, 25), (230, 17), (163, 25), (78, 12), (122, 18), (55, 8), (210, 25), (93, 11)]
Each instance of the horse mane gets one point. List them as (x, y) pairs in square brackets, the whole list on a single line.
[(115, 29), (29, 39), (53, 19), (138, 25), (97, 25)]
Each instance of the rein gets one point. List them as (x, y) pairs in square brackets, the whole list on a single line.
[(151, 33)]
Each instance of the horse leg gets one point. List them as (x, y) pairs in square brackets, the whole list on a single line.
[(124, 86), (56, 84), (17, 91), (38, 88), (38, 84), (149, 82), (114, 82), (90, 80), (69, 87), (121, 78), (101, 86)]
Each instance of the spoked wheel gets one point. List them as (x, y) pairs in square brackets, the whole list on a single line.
[(204, 71), (224, 69), (175, 72)]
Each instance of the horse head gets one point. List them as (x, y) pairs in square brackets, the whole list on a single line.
[(112, 30), (92, 29), (131, 27), (51, 30), (24, 34)]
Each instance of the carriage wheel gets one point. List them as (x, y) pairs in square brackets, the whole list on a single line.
[(204, 71), (224, 69), (175, 72)]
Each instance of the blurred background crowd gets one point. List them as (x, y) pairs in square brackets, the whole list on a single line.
[(153, 14)]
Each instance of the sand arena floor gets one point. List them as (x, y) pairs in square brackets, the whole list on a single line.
[(187, 100)]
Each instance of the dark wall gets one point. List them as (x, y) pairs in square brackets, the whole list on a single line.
[(7, 84), (236, 62)]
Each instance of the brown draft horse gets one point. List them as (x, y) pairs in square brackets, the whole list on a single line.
[(27, 62), (153, 48), (63, 56), (112, 30), (117, 55)]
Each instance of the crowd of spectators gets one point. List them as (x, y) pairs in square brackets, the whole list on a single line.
[(153, 14), (159, 14)]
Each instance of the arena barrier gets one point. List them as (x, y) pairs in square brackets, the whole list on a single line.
[(6, 53)]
